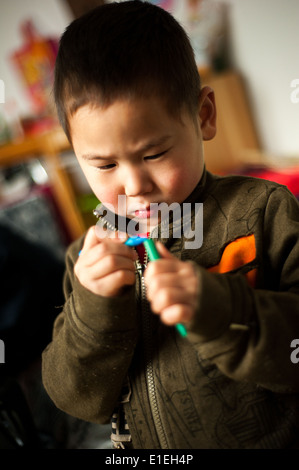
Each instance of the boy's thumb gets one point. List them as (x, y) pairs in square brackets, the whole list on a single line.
[(91, 239), (163, 251)]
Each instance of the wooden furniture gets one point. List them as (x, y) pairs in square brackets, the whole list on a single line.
[(236, 142), (49, 146)]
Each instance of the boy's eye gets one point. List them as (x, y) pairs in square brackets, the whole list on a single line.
[(153, 157), (106, 167)]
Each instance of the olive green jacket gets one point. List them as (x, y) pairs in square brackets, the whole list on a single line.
[(231, 382)]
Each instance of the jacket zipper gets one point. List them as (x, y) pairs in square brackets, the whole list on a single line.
[(149, 370)]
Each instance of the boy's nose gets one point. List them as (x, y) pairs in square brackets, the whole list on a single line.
[(136, 182)]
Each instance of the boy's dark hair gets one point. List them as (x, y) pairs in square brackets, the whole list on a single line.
[(125, 50)]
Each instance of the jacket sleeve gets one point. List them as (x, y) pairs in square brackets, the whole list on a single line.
[(85, 365), (248, 332)]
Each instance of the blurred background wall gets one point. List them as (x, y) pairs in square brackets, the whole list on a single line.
[(264, 38)]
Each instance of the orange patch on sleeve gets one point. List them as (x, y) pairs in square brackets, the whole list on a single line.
[(237, 254)]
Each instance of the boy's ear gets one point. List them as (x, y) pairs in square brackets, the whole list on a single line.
[(207, 113)]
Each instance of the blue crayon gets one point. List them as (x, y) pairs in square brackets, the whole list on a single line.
[(134, 241)]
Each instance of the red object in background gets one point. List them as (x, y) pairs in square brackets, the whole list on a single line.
[(37, 125), (287, 176), (35, 62)]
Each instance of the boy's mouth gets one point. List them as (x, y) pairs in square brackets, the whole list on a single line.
[(145, 213)]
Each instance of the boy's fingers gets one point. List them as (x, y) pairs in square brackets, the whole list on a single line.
[(159, 267), (90, 239), (93, 238), (103, 233), (177, 314), (110, 264), (113, 283), (111, 249), (162, 250), (165, 298), (172, 281)]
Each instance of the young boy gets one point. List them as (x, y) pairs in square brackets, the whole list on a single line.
[(129, 98)]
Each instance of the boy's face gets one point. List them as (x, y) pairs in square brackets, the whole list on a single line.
[(138, 150)]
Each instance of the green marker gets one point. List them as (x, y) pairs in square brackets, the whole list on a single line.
[(153, 255), (151, 249)]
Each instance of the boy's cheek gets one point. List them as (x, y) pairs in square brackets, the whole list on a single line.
[(108, 198), (175, 190), (173, 180)]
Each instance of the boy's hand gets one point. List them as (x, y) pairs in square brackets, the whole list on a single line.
[(105, 265), (172, 288)]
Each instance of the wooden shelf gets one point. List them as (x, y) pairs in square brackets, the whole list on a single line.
[(236, 142), (49, 146)]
